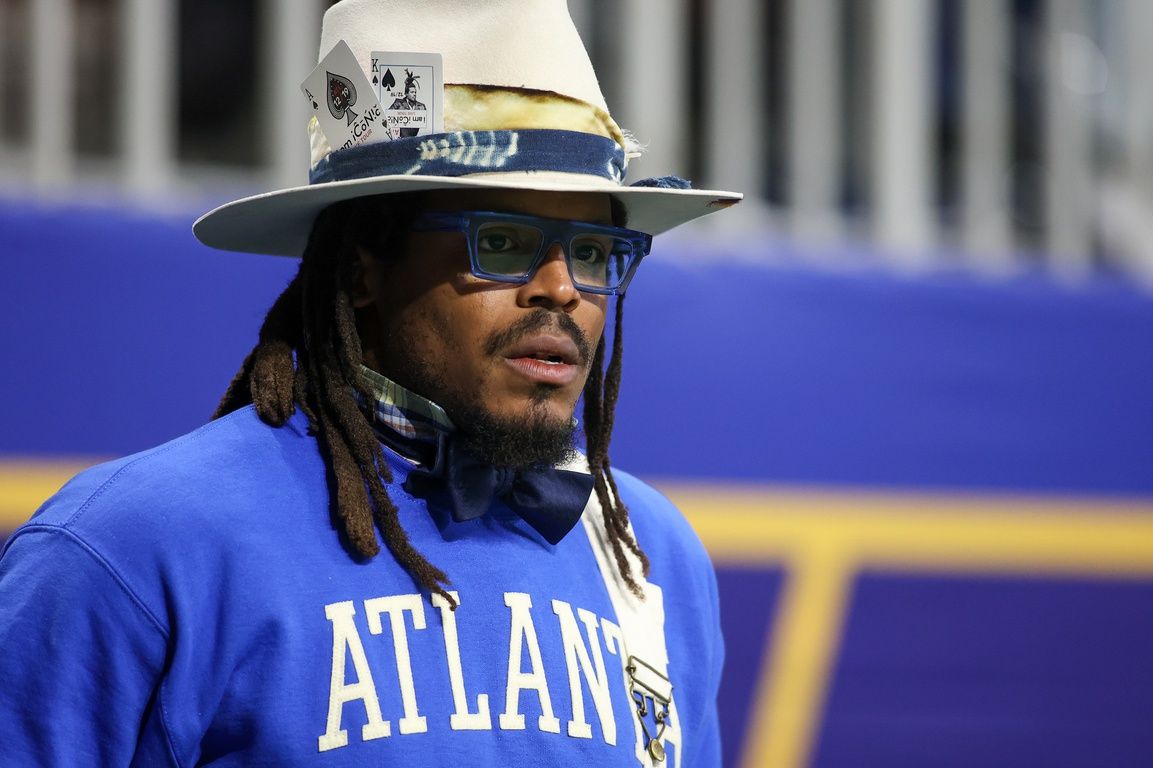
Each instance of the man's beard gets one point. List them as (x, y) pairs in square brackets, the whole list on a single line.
[(532, 438)]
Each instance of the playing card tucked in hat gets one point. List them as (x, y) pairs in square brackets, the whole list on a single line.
[(519, 107)]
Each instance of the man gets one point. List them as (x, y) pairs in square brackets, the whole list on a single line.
[(222, 599), (408, 102)]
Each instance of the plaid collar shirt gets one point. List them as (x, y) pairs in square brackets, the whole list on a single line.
[(404, 413)]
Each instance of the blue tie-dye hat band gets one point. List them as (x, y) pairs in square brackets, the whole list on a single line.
[(461, 153)]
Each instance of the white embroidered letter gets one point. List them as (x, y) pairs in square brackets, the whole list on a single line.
[(578, 660), (523, 632), (346, 638), (395, 606), (461, 719)]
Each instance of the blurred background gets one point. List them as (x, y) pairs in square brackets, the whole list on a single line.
[(916, 360)]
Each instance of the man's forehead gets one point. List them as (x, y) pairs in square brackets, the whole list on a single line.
[(593, 207)]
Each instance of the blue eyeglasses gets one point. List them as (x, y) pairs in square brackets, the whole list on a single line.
[(509, 248)]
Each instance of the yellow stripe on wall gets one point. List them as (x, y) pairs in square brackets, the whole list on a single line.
[(924, 531), (25, 484)]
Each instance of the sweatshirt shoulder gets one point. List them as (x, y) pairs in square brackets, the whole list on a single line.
[(217, 459)]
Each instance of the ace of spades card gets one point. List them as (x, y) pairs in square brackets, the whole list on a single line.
[(344, 102), (410, 89)]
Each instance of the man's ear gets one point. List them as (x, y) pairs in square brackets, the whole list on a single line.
[(361, 290)]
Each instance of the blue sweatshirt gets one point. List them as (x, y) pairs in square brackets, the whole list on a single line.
[(192, 605)]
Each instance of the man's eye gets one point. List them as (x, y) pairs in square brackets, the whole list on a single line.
[(496, 242), (589, 253)]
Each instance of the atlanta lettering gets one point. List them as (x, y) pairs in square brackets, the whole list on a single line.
[(586, 638)]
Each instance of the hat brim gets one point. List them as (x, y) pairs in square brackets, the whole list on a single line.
[(278, 223)]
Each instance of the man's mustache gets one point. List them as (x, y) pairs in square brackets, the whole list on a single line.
[(540, 320)]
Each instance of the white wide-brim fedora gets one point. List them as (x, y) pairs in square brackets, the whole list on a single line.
[(522, 110)]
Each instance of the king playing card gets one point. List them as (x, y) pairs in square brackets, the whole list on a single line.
[(410, 88), (344, 101)]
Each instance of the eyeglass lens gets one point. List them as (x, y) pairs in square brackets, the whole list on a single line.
[(508, 248)]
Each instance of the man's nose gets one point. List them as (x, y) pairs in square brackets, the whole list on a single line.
[(551, 286)]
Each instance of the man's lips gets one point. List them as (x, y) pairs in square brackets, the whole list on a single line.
[(545, 358), (543, 346)]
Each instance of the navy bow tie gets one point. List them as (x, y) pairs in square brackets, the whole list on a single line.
[(551, 500)]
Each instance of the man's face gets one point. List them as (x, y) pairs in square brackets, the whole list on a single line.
[(486, 352), (410, 93)]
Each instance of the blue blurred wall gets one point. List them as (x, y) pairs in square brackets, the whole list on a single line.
[(121, 331)]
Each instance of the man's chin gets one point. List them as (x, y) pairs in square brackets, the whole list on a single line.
[(534, 437)]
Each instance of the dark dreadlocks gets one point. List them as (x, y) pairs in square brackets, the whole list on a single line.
[(309, 355)]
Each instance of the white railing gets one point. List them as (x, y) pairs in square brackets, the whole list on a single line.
[(1092, 181)]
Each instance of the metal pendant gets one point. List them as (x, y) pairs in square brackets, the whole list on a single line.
[(647, 684)]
